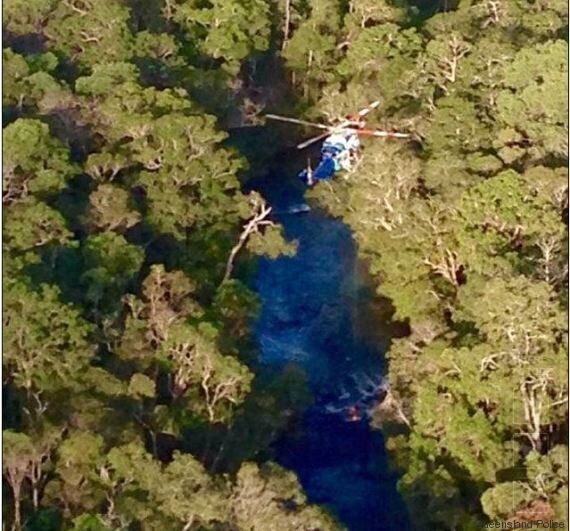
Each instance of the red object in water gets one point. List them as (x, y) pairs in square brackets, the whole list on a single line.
[(354, 414)]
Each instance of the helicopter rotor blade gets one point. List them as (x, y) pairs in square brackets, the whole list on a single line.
[(357, 118), (381, 134), (295, 121), (307, 143), (353, 120), (363, 112)]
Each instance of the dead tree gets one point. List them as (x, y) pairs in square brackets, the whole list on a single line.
[(458, 49), (447, 266), (533, 390), (286, 28), (259, 219), (217, 391)]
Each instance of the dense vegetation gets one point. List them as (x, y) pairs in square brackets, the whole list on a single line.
[(131, 391), (466, 233)]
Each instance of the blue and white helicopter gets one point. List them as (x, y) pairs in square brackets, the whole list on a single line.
[(341, 143)]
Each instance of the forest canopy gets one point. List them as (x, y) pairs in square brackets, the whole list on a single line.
[(132, 392)]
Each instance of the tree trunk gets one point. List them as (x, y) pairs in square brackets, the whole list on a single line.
[(154, 445), (222, 448), (235, 250), (309, 65), (208, 444), (17, 524), (35, 497), (287, 24), (260, 213)]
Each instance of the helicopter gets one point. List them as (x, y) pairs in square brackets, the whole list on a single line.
[(341, 142)]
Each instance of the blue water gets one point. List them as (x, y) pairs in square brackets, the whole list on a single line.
[(310, 306)]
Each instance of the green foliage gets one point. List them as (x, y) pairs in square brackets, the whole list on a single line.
[(46, 341), (18, 448), (165, 302), (90, 32), (22, 17), (33, 161), (189, 180), (88, 522), (109, 209), (198, 367), (463, 232), (533, 101), (261, 495), (271, 244), (32, 224), (227, 29), (122, 206), (141, 385), (189, 494), (104, 77), (27, 79), (112, 263), (502, 501), (310, 52), (430, 490), (125, 339)]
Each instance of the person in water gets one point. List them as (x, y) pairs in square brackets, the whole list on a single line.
[(354, 414), (337, 153)]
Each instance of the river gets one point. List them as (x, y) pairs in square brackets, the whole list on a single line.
[(311, 304)]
